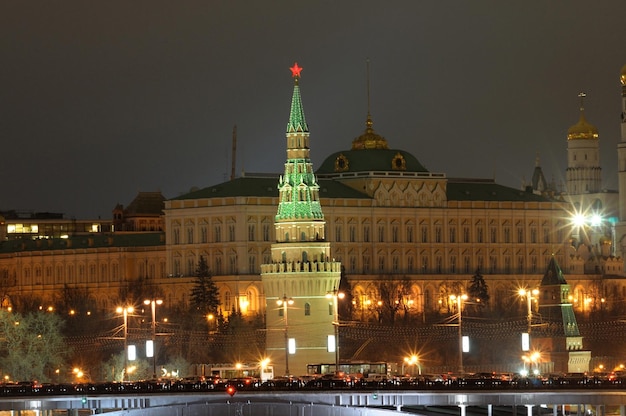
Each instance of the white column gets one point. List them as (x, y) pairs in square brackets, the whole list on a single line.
[(529, 409), (462, 407)]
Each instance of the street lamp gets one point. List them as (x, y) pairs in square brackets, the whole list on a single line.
[(153, 303), (125, 311), (285, 302), (211, 320), (459, 304), (530, 295), (412, 360), (335, 295), (535, 357)]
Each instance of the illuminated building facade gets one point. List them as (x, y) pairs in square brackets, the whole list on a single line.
[(391, 223)]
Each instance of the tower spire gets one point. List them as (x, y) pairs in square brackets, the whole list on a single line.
[(297, 122), (299, 191), (367, 74), (582, 96), (369, 139)]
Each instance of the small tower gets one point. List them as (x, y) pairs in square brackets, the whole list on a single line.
[(565, 345), (302, 272), (584, 174), (539, 182)]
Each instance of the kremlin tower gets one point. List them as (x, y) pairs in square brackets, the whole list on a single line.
[(584, 174), (620, 229), (301, 282)]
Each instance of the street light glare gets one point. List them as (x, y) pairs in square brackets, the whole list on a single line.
[(578, 220), (596, 220), (128, 309)]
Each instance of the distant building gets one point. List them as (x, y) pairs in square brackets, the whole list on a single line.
[(145, 213), (36, 225)]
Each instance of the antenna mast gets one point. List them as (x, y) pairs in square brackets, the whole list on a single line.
[(367, 64), (234, 154)]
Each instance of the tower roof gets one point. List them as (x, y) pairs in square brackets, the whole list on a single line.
[(539, 182), (582, 130), (297, 122), (553, 275)]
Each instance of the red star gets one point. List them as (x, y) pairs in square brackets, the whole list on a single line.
[(295, 70)]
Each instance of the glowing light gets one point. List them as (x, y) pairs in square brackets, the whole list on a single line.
[(295, 70), (330, 343), (466, 344), (578, 220), (132, 353), (596, 220)]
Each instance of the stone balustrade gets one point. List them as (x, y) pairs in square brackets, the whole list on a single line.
[(301, 267)]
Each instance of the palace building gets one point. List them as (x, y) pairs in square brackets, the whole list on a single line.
[(399, 232)]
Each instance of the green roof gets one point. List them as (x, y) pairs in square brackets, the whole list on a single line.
[(487, 190), (553, 275), (297, 122), (371, 160), (267, 186), (85, 242)]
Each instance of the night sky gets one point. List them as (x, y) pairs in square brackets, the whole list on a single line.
[(102, 99)]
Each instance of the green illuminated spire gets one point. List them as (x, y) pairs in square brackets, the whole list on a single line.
[(299, 191), (297, 122)]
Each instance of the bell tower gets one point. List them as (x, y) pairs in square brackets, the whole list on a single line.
[(584, 174), (620, 228)]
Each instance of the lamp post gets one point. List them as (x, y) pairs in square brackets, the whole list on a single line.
[(409, 361), (529, 299), (459, 304), (153, 303), (285, 302), (125, 311), (211, 320), (335, 295)]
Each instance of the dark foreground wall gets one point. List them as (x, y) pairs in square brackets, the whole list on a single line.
[(241, 408)]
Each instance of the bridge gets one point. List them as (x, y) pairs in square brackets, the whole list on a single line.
[(576, 402)]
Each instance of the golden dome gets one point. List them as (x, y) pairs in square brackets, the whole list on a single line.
[(623, 75), (369, 139), (582, 129)]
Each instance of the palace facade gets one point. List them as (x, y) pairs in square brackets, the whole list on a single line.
[(388, 220)]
